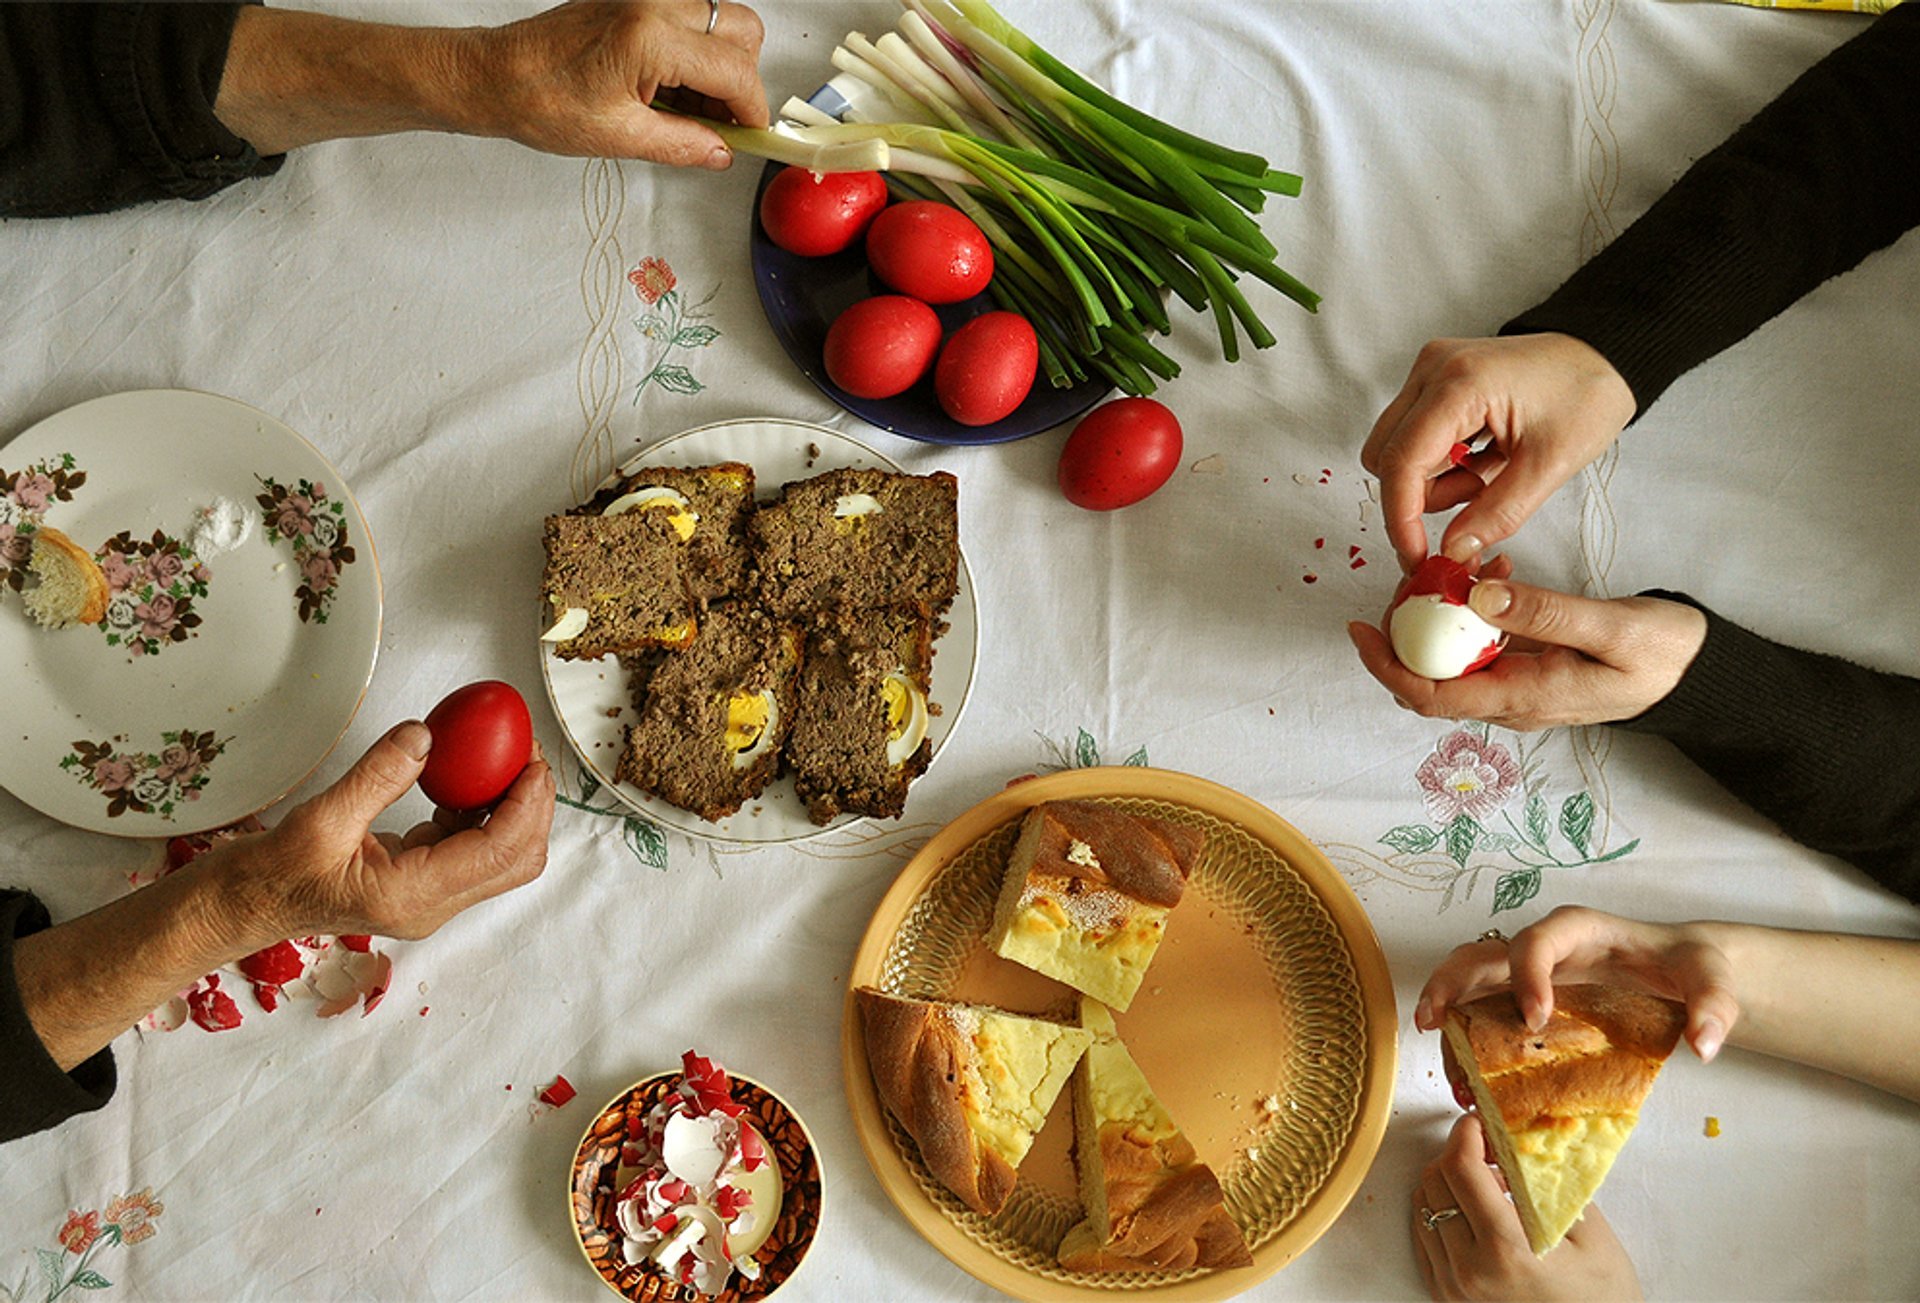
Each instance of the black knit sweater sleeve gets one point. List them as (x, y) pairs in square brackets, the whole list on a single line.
[(34, 1093), (1819, 179), (106, 105), (1827, 749)]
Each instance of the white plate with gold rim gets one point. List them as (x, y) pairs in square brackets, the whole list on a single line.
[(591, 698), (229, 663)]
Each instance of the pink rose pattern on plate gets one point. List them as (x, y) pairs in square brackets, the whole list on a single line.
[(128, 1219), (147, 782), (316, 525), (25, 498), (151, 587)]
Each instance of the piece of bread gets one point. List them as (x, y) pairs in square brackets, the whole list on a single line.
[(970, 1084), (709, 506), (1151, 1204), (860, 538), (1558, 1104), (620, 580), (1087, 894), (712, 718), (71, 588), (860, 737)]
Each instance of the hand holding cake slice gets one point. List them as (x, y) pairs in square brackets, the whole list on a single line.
[(1087, 894), (1558, 1104), (970, 1084), (1151, 1204)]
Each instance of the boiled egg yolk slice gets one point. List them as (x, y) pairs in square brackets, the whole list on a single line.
[(906, 717), (850, 510), (680, 512), (752, 719)]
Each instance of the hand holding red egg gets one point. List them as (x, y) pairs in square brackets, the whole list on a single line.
[(482, 735)]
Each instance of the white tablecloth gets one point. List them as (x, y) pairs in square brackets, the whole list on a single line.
[(450, 322)]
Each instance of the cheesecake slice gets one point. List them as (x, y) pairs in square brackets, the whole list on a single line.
[(972, 1085), (1151, 1204), (1558, 1104), (1087, 894)]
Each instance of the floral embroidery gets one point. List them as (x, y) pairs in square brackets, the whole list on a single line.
[(25, 497), (671, 321), (642, 836), (1082, 752), (151, 584), (129, 1219), (146, 782), (316, 525), (1466, 782)]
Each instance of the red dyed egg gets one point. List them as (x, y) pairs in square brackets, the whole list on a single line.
[(932, 251), (987, 368), (881, 346), (482, 737), (814, 214), (1120, 453)]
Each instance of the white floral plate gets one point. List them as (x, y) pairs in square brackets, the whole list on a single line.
[(223, 673), (591, 699)]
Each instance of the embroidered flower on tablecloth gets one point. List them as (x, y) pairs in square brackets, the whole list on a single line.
[(1467, 774), (81, 1230), (652, 278), (130, 1219), (671, 321), (134, 1215)]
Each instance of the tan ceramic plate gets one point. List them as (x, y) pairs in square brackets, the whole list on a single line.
[(1270, 985), (590, 1194)]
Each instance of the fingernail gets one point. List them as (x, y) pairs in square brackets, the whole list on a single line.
[(1707, 1041), (413, 738), (1490, 598), (1423, 1014), (1536, 1016), (1465, 548), (719, 160)]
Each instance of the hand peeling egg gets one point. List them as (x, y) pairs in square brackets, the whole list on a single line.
[(906, 717), (1434, 632), (680, 512), (753, 719)]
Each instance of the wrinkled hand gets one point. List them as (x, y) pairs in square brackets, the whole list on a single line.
[(1551, 403), (1575, 944), (1483, 1253), (580, 79), (322, 869), (1570, 660)]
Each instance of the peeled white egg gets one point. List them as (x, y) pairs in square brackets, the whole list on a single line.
[(740, 712), (680, 512), (906, 713), (571, 624), (1439, 639), (856, 504)]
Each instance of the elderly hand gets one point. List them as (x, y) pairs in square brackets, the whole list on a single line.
[(322, 869), (1573, 660), (1682, 962), (1483, 1253), (1551, 403)]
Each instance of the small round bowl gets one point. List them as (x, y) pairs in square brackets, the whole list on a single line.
[(590, 1194)]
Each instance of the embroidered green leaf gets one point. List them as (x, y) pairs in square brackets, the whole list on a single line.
[(1412, 839), (677, 380), (1479, 728), (1512, 890), (50, 1268), (1537, 821), (92, 1280), (1497, 843), (1086, 752), (1616, 854), (1463, 834), (648, 843), (694, 336), (589, 783), (1576, 820), (1137, 759)]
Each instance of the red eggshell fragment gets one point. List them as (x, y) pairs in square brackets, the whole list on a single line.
[(814, 214), (1120, 453), (277, 965), (930, 250), (559, 1092), (987, 368), (1439, 574), (881, 346), (482, 736)]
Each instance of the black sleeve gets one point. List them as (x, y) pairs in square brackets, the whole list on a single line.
[(34, 1093), (106, 105), (1827, 749), (1819, 179)]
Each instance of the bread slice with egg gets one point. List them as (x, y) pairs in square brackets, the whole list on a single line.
[(615, 585), (859, 537), (712, 717), (707, 506), (859, 738), (1558, 1104), (970, 1084), (69, 586), (1087, 893), (1151, 1204)]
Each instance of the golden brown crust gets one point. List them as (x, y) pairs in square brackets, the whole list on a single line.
[(919, 1060), (1166, 1208), (1147, 859), (93, 608)]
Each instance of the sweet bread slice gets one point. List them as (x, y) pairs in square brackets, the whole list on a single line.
[(1087, 894), (972, 1085), (71, 588), (1558, 1104), (1151, 1204)]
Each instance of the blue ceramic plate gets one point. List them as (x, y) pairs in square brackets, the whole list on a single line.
[(802, 296)]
